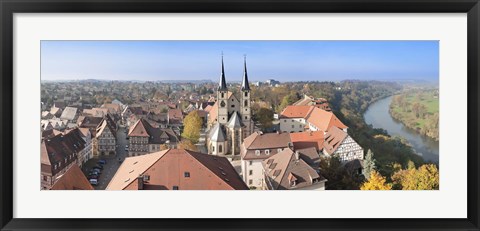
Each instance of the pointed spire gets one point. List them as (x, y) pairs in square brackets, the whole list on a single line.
[(245, 84), (222, 85)]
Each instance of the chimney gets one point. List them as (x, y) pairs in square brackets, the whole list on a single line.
[(297, 155), (290, 145), (140, 182)]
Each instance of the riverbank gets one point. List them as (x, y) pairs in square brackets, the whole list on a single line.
[(418, 111), (379, 117)]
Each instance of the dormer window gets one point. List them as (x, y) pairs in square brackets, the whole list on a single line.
[(257, 152), (267, 152)]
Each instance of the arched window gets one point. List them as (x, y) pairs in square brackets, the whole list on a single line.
[(222, 104), (246, 94), (223, 94), (245, 103), (220, 148)]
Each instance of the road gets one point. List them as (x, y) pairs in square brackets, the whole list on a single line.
[(112, 165)]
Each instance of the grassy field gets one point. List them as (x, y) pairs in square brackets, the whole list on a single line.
[(403, 110)]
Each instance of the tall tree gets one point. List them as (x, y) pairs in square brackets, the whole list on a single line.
[(265, 117), (376, 182), (192, 125), (369, 164)]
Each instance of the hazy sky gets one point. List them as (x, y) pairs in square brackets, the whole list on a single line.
[(280, 60)]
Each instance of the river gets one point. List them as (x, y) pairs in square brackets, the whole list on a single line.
[(378, 116)]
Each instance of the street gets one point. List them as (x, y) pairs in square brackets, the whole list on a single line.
[(112, 164)]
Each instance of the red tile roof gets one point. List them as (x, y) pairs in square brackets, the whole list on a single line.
[(286, 168), (168, 168), (333, 139), (307, 139), (296, 111), (73, 179), (324, 120)]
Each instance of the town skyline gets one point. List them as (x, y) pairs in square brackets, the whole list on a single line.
[(200, 60)]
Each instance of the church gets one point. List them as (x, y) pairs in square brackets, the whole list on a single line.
[(230, 119)]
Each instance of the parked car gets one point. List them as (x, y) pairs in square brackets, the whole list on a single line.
[(97, 170), (126, 146), (93, 173), (102, 162), (93, 181), (99, 166), (93, 177)]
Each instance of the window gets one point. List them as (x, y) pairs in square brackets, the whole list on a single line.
[(186, 174), (233, 105), (220, 148), (246, 94), (245, 103), (246, 117), (250, 181), (223, 95), (251, 162), (279, 150), (257, 152), (213, 148), (293, 126), (267, 152), (44, 178), (250, 172), (175, 187), (285, 121), (222, 104)]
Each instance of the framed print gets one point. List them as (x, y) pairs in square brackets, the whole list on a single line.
[(239, 115)]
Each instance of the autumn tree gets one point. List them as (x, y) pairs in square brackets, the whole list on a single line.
[(163, 147), (426, 177), (288, 100), (192, 125), (376, 182), (369, 164), (187, 145)]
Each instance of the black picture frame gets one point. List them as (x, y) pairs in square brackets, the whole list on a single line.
[(9, 7)]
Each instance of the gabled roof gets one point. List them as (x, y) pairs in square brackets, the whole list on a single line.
[(286, 168), (69, 113), (333, 139), (307, 139), (217, 133), (156, 135), (292, 111), (72, 179), (60, 147), (235, 121), (131, 168), (138, 129), (214, 172), (258, 140), (324, 120)]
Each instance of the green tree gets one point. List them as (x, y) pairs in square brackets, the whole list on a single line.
[(265, 117), (369, 164), (376, 182), (192, 125), (288, 100)]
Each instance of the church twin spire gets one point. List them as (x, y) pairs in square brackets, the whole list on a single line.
[(222, 85)]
